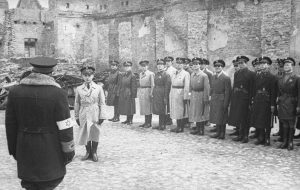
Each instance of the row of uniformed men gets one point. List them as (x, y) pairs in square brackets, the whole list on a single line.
[(188, 92)]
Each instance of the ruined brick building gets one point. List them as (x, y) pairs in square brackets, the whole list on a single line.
[(135, 30)]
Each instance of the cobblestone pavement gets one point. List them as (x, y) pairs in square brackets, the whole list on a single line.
[(133, 158)]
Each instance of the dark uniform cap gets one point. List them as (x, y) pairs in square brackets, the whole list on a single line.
[(234, 62), (127, 63), (180, 60), (280, 62), (265, 59), (220, 61), (197, 59), (43, 64), (144, 63), (187, 60), (242, 58), (205, 61), (169, 58), (160, 62), (87, 70), (114, 62), (289, 60)]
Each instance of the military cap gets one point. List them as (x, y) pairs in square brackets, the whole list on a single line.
[(180, 60), (289, 60), (87, 70), (127, 63), (169, 58), (219, 62), (160, 62), (265, 59), (114, 62), (197, 59), (242, 58), (205, 61), (234, 62), (144, 63), (280, 62), (187, 60), (43, 64)]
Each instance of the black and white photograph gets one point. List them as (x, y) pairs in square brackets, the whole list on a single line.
[(150, 94)]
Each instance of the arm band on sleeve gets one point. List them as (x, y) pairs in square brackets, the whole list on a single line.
[(65, 124)]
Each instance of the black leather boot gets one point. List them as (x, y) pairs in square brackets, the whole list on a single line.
[(261, 137), (195, 130), (201, 132), (143, 125), (168, 120), (267, 137), (222, 132), (240, 135), (127, 120), (88, 151), (285, 133), (178, 122), (291, 139), (116, 113), (246, 134), (148, 121), (218, 132), (130, 120), (94, 151)]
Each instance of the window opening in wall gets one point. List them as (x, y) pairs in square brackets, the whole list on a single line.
[(87, 7), (100, 7), (34, 23), (68, 5), (105, 6), (16, 22), (122, 3), (127, 3), (77, 26), (25, 22), (30, 47)]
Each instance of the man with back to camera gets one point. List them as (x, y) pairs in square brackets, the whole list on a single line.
[(39, 128)]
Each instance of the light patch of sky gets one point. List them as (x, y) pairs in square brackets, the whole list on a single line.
[(13, 3)]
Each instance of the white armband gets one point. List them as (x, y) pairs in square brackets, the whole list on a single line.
[(65, 124)]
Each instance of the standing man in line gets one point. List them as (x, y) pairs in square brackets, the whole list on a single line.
[(171, 72), (264, 100), (179, 96), (203, 67), (241, 99), (112, 96), (288, 102), (161, 91), (220, 97), (127, 93), (39, 129), (200, 89), (145, 93), (188, 66)]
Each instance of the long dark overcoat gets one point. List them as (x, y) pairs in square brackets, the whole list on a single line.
[(112, 91), (32, 132), (220, 98), (241, 97), (264, 96), (288, 96), (127, 93), (161, 91)]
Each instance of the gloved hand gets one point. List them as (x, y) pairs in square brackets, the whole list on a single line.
[(165, 101), (272, 109), (68, 157), (100, 121)]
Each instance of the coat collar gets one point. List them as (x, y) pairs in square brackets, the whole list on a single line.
[(38, 79), (93, 86)]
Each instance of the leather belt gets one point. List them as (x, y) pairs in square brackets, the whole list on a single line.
[(198, 90), (177, 87), (145, 87), (240, 90)]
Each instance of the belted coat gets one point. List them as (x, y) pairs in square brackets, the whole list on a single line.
[(145, 92), (112, 91)]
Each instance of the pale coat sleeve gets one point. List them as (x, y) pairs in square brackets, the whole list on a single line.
[(101, 104), (206, 89), (152, 83), (77, 104), (186, 89)]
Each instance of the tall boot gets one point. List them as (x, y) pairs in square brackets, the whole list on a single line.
[(163, 122), (130, 119), (181, 127), (291, 139), (196, 130), (94, 151), (168, 120), (201, 132), (280, 133), (88, 151), (267, 137), (146, 119), (246, 134), (285, 133), (218, 132), (116, 113), (223, 131), (240, 134), (178, 122), (127, 120)]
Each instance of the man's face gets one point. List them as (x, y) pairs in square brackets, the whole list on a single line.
[(288, 67), (143, 68), (179, 65), (218, 68), (114, 67), (160, 67), (169, 62), (196, 65), (202, 66), (242, 64), (88, 77), (236, 67), (127, 68), (186, 66)]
